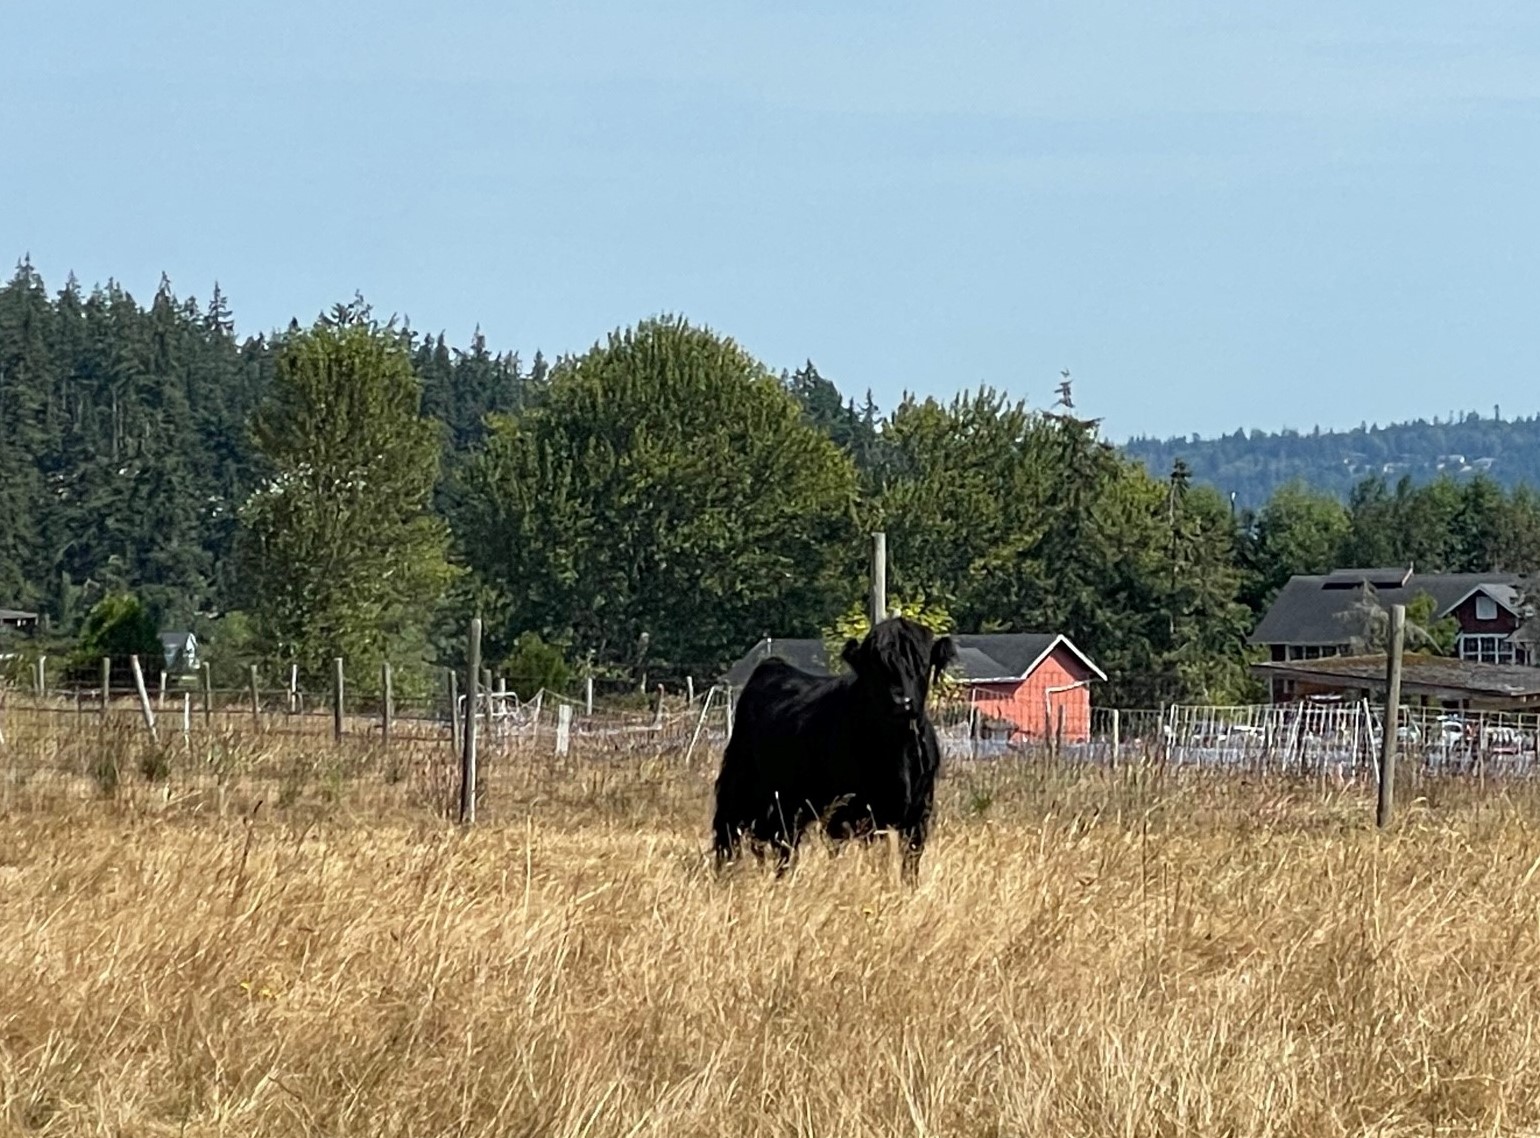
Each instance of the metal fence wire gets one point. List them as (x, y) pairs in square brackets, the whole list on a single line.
[(60, 731)]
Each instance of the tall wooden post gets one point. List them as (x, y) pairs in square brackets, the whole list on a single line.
[(563, 728), (208, 696), (468, 761), (454, 711), (144, 696), (657, 711), (387, 700), (337, 698), (1388, 738), (42, 677), (588, 697), (106, 685), (1116, 727), (160, 695), (879, 603), (256, 699)]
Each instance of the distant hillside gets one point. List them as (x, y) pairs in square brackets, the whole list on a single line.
[(1253, 465)]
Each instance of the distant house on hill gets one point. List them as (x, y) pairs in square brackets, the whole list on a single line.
[(18, 620), (1025, 682), (1313, 617), (181, 651)]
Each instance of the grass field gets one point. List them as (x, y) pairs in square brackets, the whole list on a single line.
[(1086, 954)]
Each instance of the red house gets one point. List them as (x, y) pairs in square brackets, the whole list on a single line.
[(1026, 682)]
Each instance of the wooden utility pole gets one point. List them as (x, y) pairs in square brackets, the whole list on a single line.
[(468, 759), (454, 711), (337, 698), (1388, 740), (879, 605), (106, 685)]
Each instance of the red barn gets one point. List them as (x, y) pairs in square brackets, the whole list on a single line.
[(1025, 680)]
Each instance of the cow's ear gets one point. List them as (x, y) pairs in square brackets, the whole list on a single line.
[(942, 655), (852, 653)]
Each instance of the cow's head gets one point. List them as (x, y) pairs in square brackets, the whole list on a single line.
[(895, 665)]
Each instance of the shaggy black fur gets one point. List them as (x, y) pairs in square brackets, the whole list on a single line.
[(855, 752)]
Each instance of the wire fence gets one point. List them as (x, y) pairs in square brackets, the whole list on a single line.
[(214, 741)]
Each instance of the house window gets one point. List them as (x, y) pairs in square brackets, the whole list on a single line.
[(1487, 649), (1486, 608)]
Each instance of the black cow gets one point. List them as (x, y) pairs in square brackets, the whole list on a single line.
[(855, 752)]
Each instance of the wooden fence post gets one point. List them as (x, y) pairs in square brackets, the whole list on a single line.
[(208, 696), (144, 697), (293, 689), (337, 699), (689, 690), (454, 711), (386, 703), (563, 728), (106, 685), (1115, 740), (657, 713), (1386, 801), (486, 696), (468, 760), (160, 695), (40, 678), (588, 697), (256, 699)]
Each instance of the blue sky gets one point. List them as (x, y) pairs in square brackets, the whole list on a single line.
[(1215, 214)]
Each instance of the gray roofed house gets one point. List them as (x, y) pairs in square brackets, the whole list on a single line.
[(18, 619), (181, 651), (1001, 657), (1312, 616), (1024, 684)]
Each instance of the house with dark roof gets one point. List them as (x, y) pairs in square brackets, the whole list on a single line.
[(1033, 684), (18, 619), (1319, 615), (181, 651), (1427, 681)]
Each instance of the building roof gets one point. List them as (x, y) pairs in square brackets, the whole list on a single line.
[(1311, 609), (1000, 657), (13, 615), (1440, 677)]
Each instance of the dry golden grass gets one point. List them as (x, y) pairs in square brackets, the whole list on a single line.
[(1085, 955)]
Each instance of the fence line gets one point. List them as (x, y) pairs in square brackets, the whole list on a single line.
[(1319, 739)]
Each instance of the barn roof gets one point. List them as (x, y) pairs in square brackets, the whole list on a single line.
[(998, 657), (1312, 609), (1439, 677)]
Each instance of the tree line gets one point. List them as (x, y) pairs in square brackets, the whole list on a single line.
[(652, 506)]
